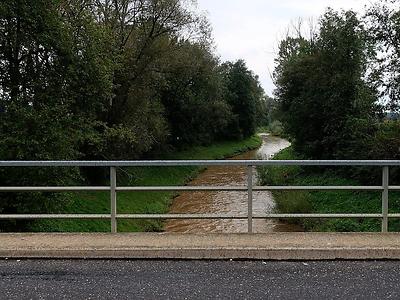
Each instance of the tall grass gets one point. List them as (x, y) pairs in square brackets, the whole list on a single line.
[(140, 202), (325, 201)]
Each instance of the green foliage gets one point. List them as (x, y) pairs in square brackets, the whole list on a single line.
[(383, 21), (386, 145), (327, 89), (320, 88), (325, 201), (124, 79), (243, 94), (45, 111), (194, 90), (328, 83), (141, 202)]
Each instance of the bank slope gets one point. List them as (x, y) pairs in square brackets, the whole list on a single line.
[(325, 201), (140, 202)]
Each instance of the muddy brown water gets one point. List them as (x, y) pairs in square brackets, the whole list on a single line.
[(230, 202)]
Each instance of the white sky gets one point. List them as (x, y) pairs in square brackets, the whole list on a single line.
[(251, 29)]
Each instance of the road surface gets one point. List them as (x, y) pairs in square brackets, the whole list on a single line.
[(124, 279)]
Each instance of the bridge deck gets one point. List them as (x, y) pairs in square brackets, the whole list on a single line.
[(274, 246)]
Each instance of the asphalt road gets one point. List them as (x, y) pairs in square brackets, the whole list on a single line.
[(84, 279)]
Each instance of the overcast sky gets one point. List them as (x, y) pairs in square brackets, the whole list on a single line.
[(251, 29)]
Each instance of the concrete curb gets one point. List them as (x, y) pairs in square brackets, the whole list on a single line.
[(275, 246), (210, 254)]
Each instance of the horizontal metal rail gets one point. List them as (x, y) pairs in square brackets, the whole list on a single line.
[(54, 216), (193, 216), (113, 216), (191, 188), (54, 188), (175, 163)]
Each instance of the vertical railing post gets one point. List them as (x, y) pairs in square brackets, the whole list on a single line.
[(385, 198), (113, 198), (250, 199)]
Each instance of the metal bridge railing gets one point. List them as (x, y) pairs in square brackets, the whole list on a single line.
[(249, 188)]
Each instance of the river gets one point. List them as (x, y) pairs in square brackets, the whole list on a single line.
[(229, 202)]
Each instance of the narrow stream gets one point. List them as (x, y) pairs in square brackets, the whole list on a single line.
[(229, 202)]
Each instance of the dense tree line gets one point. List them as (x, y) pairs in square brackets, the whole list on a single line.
[(337, 84), (102, 79)]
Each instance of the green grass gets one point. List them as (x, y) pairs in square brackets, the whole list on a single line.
[(325, 201), (140, 202)]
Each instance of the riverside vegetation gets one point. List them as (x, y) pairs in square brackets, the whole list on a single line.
[(139, 79), (141, 202), (113, 80), (326, 201), (337, 97)]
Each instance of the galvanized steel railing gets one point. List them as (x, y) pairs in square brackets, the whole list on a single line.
[(249, 188)]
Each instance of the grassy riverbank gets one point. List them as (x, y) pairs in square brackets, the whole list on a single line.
[(326, 201), (141, 202)]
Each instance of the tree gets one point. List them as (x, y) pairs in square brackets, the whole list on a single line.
[(243, 94), (145, 34), (193, 96), (46, 52), (109, 79), (320, 86), (383, 21)]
